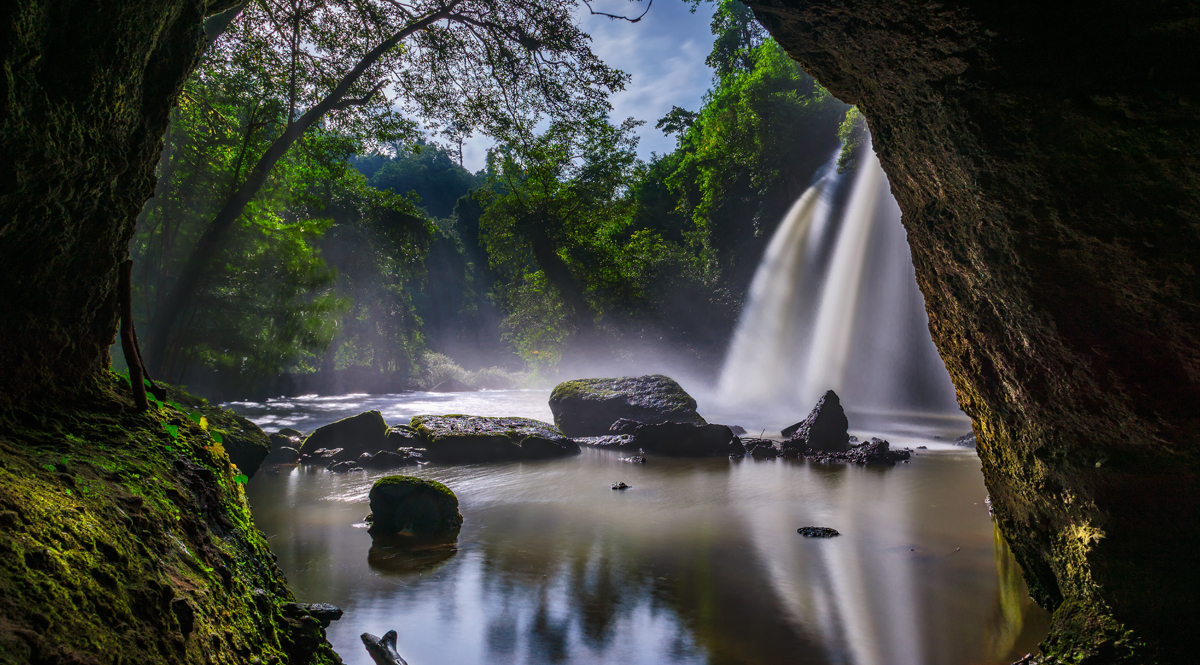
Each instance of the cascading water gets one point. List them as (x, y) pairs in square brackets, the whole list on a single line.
[(834, 304)]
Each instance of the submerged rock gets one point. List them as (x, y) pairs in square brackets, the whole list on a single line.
[(875, 451), (386, 459), (760, 448), (589, 407), (465, 439), (620, 486), (364, 433), (686, 440), (817, 532), (416, 505), (824, 429), (344, 467)]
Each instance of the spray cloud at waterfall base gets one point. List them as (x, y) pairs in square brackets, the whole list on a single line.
[(834, 304)]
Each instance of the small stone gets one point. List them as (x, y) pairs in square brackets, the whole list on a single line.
[(621, 486), (817, 532)]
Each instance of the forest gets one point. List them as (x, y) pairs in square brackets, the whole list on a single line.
[(527, 332), (368, 258)]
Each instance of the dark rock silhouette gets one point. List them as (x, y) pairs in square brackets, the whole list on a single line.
[(383, 649), (685, 440), (824, 430)]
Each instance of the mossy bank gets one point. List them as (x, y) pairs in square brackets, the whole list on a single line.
[(125, 537)]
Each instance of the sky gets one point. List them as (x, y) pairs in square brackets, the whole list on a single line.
[(664, 54)]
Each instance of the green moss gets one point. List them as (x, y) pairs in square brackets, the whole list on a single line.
[(123, 543), (414, 482)]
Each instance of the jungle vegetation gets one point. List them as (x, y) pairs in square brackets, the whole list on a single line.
[(305, 222)]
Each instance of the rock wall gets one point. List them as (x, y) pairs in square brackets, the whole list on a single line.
[(1045, 156), (84, 101)]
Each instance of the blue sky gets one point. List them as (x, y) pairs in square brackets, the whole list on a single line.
[(664, 54)]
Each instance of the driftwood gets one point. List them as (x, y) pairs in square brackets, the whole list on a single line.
[(383, 649)]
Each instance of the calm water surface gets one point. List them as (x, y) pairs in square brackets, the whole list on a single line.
[(699, 563)]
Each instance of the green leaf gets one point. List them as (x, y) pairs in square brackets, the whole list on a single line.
[(240, 478), (173, 430), (217, 437)]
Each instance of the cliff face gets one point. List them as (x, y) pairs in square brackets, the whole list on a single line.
[(84, 101), (1046, 159)]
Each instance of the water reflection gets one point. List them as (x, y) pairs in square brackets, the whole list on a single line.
[(698, 563)]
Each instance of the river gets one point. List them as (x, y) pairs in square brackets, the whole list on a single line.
[(699, 562)]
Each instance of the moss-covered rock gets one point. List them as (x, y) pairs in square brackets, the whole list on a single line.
[(465, 439), (364, 433), (126, 537), (408, 504), (245, 443), (589, 407)]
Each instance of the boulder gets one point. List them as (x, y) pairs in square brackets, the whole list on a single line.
[(403, 436), (760, 448), (405, 503), (966, 440), (292, 433), (824, 430), (282, 455), (453, 385), (344, 467), (465, 439), (364, 433), (279, 441), (686, 440), (589, 407)]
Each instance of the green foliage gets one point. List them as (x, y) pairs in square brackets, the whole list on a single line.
[(853, 134), (425, 170)]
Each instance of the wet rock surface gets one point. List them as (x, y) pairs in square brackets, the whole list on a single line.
[(875, 451), (817, 532), (466, 439), (387, 459), (589, 407), (760, 448), (363, 433), (685, 440), (412, 505), (823, 430), (1047, 170), (323, 612), (382, 649), (609, 441)]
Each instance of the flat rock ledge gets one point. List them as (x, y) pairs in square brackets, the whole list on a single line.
[(466, 439)]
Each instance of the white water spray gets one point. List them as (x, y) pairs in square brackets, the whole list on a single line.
[(835, 304)]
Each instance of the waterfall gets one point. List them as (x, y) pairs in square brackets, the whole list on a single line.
[(834, 303)]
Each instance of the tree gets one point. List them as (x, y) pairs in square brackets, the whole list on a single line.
[(495, 66)]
